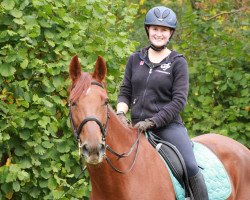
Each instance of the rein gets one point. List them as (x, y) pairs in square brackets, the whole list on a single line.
[(123, 155), (103, 128)]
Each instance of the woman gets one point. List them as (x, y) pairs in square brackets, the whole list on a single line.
[(155, 86)]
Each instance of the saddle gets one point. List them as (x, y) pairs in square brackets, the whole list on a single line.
[(174, 160), (217, 180)]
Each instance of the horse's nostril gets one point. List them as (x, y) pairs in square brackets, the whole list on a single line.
[(85, 149), (102, 148)]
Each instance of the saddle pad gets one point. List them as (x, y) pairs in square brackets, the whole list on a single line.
[(216, 177)]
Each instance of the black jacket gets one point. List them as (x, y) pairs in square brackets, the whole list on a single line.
[(157, 92)]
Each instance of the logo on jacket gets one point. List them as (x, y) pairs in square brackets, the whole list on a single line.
[(166, 66)]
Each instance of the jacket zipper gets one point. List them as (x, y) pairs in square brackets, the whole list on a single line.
[(144, 93)]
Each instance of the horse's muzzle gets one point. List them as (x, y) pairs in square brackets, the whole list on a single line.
[(93, 154)]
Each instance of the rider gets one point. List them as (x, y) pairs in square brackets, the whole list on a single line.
[(155, 86)]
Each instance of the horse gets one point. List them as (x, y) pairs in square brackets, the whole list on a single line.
[(121, 163)]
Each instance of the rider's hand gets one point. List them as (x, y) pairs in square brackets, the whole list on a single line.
[(145, 125)]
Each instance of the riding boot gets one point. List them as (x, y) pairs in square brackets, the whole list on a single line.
[(198, 187)]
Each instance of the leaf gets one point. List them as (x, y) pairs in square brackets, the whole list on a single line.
[(11, 177), (7, 70), (11, 33), (43, 183), (16, 13), (34, 192), (58, 81), (58, 194), (24, 103), (68, 44), (51, 43), (47, 144), (20, 122), (63, 147), (23, 176), (25, 163), (18, 21), (36, 162), (39, 150), (58, 100), (8, 4), (48, 86), (111, 18), (44, 121), (45, 175), (24, 4), (64, 157), (24, 64), (52, 184), (24, 134), (3, 107), (209, 78), (49, 34), (35, 31), (3, 173), (16, 186), (9, 195)]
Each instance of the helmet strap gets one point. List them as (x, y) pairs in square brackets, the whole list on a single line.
[(157, 48)]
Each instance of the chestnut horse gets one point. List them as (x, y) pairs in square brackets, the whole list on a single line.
[(139, 173)]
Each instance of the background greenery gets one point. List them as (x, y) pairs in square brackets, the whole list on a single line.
[(39, 158)]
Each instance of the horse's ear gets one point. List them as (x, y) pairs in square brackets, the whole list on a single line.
[(74, 68), (100, 69)]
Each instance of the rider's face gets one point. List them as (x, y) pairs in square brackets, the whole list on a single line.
[(159, 35)]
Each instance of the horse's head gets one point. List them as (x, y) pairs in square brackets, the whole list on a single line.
[(89, 109)]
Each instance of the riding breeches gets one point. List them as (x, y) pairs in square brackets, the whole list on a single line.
[(177, 135)]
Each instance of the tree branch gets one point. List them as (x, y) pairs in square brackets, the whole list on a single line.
[(225, 13)]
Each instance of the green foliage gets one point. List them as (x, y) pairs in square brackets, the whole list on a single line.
[(38, 39)]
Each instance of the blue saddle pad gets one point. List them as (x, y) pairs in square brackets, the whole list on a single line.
[(216, 177)]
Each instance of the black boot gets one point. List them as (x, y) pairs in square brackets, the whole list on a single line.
[(198, 186)]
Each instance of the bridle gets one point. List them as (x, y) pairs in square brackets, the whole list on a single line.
[(103, 128), (77, 131)]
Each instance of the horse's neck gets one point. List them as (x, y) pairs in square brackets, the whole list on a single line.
[(109, 184), (119, 136)]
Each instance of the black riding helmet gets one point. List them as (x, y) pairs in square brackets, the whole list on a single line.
[(160, 16)]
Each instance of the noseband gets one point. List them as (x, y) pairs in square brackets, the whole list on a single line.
[(77, 131)]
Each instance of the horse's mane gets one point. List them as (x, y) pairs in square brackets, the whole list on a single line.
[(80, 87)]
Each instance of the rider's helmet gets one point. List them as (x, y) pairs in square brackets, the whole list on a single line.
[(160, 16)]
